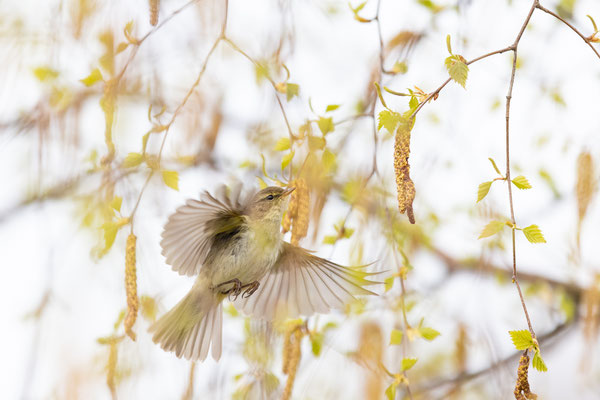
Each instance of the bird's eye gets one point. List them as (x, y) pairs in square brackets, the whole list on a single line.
[(270, 197)]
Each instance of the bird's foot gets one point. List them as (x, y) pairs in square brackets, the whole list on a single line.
[(251, 288), (234, 291)]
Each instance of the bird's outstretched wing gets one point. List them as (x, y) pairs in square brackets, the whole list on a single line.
[(191, 231), (301, 283)]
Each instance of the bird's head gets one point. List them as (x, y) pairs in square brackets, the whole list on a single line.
[(269, 204)]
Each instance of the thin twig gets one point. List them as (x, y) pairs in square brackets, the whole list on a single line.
[(514, 47), (585, 39)]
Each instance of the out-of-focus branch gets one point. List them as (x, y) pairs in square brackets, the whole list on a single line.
[(460, 379)]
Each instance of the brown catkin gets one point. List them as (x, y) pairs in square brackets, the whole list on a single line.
[(522, 390), (585, 186), (292, 209), (370, 351), (292, 353), (405, 186), (301, 219), (131, 286), (111, 368), (154, 5)]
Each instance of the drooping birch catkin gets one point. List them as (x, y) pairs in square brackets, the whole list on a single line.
[(131, 286), (586, 183), (301, 219), (292, 354), (292, 209), (404, 185), (154, 6)]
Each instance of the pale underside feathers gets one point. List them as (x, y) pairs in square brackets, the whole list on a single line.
[(189, 232), (301, 284)]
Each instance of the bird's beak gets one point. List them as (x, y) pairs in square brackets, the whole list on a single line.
[(288, 191)]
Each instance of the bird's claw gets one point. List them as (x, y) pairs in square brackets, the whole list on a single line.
[(252, 287)]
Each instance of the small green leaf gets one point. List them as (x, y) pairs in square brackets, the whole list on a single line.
[(93, 77), (171, 179), (407, 363), (538, 363), (291, 90), (389, 283), (521, 182), (285, 161), (325, 125), (332, 107), (428, 333), (400, 67), (110, 233), (133, 160), (413, 103), (121, 47), (491, 229), (45, 74), (593, 23), (521, 339), (282, 144), (458, 69), (396, 336), (116, 203), (448, 45), (316, 143), (389, 120), (316, 341), (330, 239), (483, 190), (534, 234), (495, 166), (390, 392), (328, 159)]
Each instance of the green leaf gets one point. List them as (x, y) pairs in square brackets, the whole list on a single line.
[(428, 333), (458, 69), (328, 159), (292, 90), (285, 161), (538, 363), (325, 125), (133, 160), (282, 144), (521, 182), (389, 120), (330, 239), (390, 392), (45, 74), (491, 229), (407, 363), (116, 203), (261, 72), (593, 23), (316, 341), (413, 103), (396, 336), (521, 339), (534, 234), (332, 107), (483, 190), (316, 143), (389, 283), (495, 166), (93, 77), (171, 179), (121, 47), (400, 67), (448, 45), (110, 233)]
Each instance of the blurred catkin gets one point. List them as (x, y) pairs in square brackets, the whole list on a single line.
[(111, 368), (131, 286), (292, 209), (370, 352), (291, 358), (522, 390), (300, 225), (586, 184), (154, 6), (405, 186)]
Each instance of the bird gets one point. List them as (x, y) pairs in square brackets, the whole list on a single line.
[(232, 243)]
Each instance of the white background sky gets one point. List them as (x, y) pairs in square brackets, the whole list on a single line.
[(43, 244)]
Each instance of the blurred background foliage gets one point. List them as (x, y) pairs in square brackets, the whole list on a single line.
[(114, 113)]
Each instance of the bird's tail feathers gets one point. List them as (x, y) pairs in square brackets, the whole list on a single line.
[(189, 328)]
